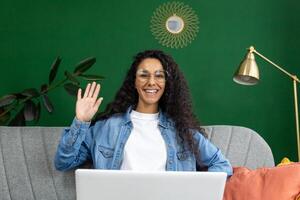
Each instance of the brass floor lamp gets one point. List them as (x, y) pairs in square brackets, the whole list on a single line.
[(248, 74)]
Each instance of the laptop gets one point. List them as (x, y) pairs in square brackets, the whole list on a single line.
[(94, 184)]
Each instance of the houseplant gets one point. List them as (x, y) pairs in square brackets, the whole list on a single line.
[(18, 108)]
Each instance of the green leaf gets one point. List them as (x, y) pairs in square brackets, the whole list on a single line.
[(20, 96), (90, 77), (31, 92), (71, 88), (7, 100), (44, 87), (54, 69), (84, 65), (18, 119), (29, 110), (6, 109), (47, 103), (71, 77), (37, 112), (5, 118)]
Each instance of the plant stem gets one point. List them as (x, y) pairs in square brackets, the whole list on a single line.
[(53, 86)]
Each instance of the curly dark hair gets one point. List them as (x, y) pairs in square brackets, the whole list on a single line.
[(175, 101)]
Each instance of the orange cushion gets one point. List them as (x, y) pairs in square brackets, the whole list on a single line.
[(282, 183)]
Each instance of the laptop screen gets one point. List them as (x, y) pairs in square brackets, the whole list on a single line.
[(97, 184)]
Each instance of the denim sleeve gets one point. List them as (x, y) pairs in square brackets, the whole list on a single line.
[(211, 157), (74, 146)]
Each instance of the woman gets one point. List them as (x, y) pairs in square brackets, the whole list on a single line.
[(148, 126)]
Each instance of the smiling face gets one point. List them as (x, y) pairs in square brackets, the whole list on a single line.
[(150, 84)]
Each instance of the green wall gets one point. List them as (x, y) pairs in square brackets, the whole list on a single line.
[(34, 33)]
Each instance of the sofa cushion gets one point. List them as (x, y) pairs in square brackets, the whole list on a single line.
[(282, 182)]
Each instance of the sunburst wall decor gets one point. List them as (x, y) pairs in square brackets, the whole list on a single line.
[(174, 24)]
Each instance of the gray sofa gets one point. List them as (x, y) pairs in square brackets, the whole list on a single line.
[(27, 170)]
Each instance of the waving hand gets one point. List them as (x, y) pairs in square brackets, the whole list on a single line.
[(87, 106)]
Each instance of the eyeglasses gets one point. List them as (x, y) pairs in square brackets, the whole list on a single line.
[(144, 75)]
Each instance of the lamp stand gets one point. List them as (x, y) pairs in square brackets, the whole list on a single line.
[(295, 81), (296, 115)]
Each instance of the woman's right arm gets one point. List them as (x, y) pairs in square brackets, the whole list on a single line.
[(74, 146)]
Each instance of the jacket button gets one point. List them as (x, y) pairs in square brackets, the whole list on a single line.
[(170, 162)]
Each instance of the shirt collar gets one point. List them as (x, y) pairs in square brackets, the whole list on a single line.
[(162, 118)]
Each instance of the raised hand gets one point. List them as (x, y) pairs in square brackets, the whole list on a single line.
[(87, 106)]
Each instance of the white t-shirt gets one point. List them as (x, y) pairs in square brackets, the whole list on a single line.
[(145, 149)]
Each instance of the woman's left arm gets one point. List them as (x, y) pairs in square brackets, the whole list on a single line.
[(210, 156)]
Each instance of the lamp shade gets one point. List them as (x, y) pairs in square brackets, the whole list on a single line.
[(247, 73)]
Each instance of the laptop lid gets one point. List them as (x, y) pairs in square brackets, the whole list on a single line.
[(94, 184)]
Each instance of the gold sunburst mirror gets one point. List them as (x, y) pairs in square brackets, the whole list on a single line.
[(174, 24)]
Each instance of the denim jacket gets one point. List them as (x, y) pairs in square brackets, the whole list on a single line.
[(104, 142)]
